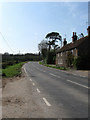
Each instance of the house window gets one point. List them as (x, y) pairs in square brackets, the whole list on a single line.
[(61, 53), (60, 61), (58, 54), (72, 51)]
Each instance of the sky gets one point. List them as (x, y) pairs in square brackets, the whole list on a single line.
[(25, 24)]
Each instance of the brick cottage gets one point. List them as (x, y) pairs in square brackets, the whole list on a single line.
[(78, 47)]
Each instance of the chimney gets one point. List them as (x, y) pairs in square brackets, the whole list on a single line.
[(74, 37), (88, 29), (64, 42)]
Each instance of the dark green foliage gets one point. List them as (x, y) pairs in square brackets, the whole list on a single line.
[(20, 58), (10, 59), (51, 57), (8, 63), (12, 70), (48, 47), (70, 59), (53, 35), (53, 39), (82, 63), (44, 53), (3, 74)]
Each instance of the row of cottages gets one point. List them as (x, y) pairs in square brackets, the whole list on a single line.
[(80, 47)]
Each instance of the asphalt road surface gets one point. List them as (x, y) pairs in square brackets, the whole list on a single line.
[(65, 95)]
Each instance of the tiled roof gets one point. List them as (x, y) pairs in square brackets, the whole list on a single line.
[(71, 45)]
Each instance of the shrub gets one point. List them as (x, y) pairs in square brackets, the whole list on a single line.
[(81, 62), (70, 59), (51, 57), (3, 74)]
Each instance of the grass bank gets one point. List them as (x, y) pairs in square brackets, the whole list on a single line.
[(52, 66), (13, 70)]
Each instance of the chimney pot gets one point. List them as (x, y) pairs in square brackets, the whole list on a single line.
[(74, 37), (64, 42)]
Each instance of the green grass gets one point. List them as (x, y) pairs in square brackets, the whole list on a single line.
[(56, 67), (14, 70)]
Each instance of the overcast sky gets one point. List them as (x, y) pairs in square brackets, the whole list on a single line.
[(25, 24)]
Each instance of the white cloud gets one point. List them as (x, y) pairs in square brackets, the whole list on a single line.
[(72, 8)]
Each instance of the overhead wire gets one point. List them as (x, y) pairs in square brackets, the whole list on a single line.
[(6, 42)]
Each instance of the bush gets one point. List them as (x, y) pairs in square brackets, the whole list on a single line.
[(8, 63), (76, 62), (70, 59), (3, 74), (51, 57), (81, 63)]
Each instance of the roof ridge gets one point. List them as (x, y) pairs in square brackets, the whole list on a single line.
[(72, 45)]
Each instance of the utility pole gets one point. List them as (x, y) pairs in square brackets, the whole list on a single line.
[(19, 52)]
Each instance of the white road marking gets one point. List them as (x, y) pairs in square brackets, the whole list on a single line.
[(38, 90), (78, 84), (43, 70), (74, 74), (82, 76), (54, 75), (25, 70), (47, 103), (31, 80), (33, 84), (58, 76)]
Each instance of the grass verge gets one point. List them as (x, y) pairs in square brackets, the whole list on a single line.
[(56, 67), (14, 70)]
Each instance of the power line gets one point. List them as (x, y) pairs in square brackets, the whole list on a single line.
[(6, 42)]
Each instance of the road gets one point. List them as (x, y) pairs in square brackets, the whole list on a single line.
[(64, 95)]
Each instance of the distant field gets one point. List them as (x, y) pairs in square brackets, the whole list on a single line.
[(13, 70)]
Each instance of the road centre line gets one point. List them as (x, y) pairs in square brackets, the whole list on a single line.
[(82, 76), (41, 69), (54, 75), (58, 76), (78, 84), (67, 72), (47, 103), (33, 84), (38, 90), (74, 74), (31, 80)]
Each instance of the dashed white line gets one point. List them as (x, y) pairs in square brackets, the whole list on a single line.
[(58, 76), (78, 84), (52, 74), (38, 90), (33, 84), (82, 76), (74, 74), (47, 103), (31, 80)]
